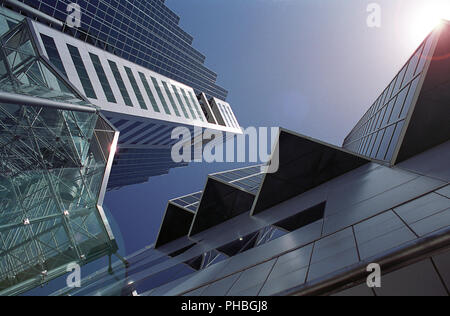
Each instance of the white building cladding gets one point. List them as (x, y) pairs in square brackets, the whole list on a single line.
[(315, 225), (142, 104)]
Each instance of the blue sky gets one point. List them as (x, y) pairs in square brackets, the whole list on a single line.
[(312, 66)]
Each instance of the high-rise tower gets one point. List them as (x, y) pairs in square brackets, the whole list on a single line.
[(131, 59)]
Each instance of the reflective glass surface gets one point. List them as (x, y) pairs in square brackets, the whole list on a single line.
[(143, 32), (377, 134), (52, 166), (103, 78)]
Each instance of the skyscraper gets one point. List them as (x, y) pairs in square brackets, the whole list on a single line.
[(316, 225), (64, 97), (409, 116), (143, 32), (56, 152), (132, 60)]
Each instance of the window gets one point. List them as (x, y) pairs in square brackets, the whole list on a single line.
[(53, 54), (409, 99), (172, 101), (394, 140), (180, 101), (196, 105), (103, 78), (188, 104), (385, 142), (149, 92), (82, 73), (161, 96), (137, 92), (120, 83), (231, 116), (226, 115)]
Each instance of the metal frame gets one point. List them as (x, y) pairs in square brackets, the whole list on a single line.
[(41, 208)]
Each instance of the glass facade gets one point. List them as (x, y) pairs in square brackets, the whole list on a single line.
[(146, 101), (152, 269), (180, 102), (189, 202), (82, 72), (143, 32), (120, 83), (103, 78), (143, 276), (248, 179), (126, 83), (137, 92), (136, 165), (160, 95), (171, 99), (377, 134), (53, 53), (149, 92), (191, 110), (196, 105), (55, 152)]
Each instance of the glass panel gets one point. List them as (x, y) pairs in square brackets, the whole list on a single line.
[(383, 115), (385, 142), (120, 83), (425, 54), (410, 97), (391, 89), (172, 101), (388, 112), (48, 207), (161, 96), (149, 92), (394, 141), (196, 106), (103, 78), (81, 71), (135, 87), (372, 124), (370, 144), (399, 105), (180, 102), (364, 145), (53, 54), (376, 145), (412, 66), (188, 104), (225, 112), (399, 82)]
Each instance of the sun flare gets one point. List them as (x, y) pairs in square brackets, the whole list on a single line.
[(429, 16)]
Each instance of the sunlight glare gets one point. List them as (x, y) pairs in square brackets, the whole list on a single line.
[(429, 16)]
